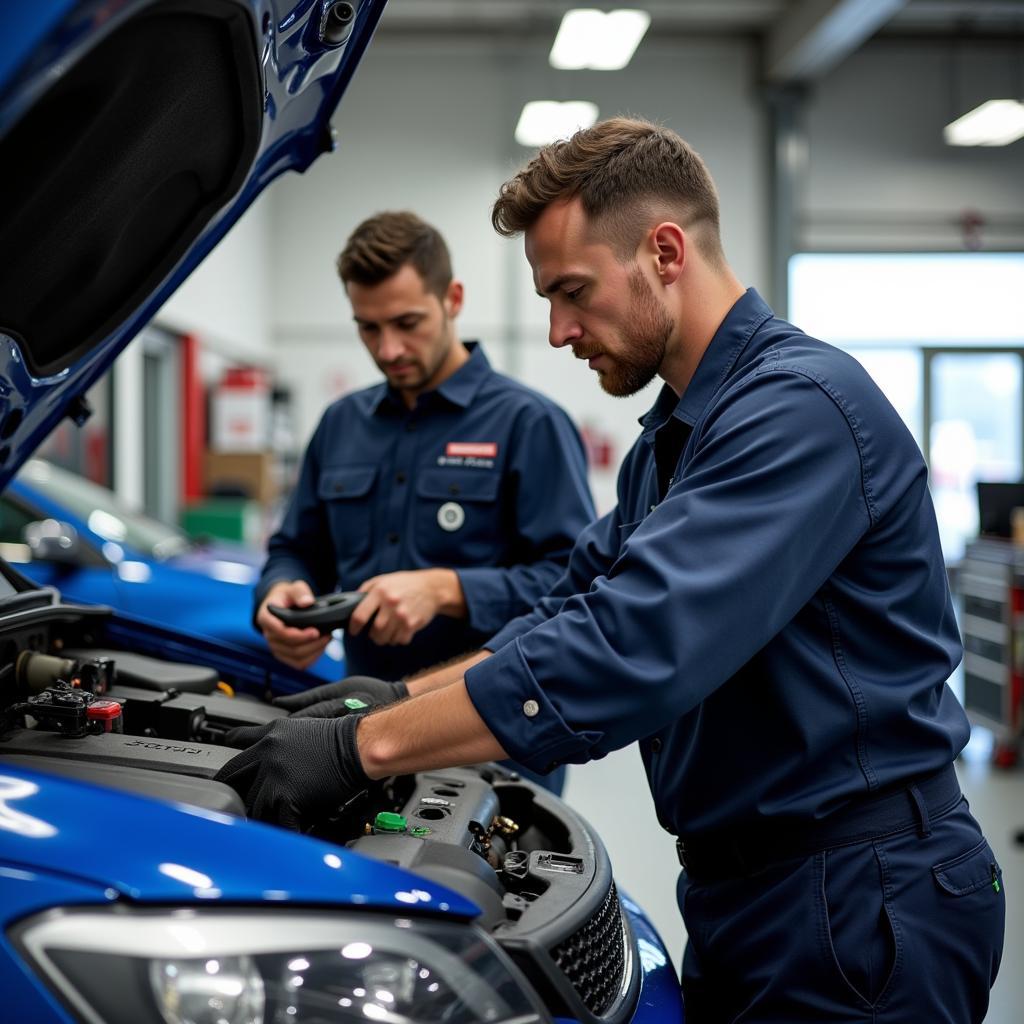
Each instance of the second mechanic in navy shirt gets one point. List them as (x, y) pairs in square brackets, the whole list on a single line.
[(450, 493)]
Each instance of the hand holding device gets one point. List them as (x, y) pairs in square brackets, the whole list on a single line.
[(325, 614), (298, 647)]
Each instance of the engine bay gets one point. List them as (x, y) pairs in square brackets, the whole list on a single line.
[(77, 701)]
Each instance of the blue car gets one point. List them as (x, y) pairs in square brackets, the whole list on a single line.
[(132, 888), (67, 532)]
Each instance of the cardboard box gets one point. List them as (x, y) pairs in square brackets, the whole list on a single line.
[(240, 411), (240, 475)]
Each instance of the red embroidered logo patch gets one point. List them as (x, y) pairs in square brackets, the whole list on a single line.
[(472, 449)]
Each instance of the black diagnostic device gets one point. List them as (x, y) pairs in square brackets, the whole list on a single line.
[(326, 613)]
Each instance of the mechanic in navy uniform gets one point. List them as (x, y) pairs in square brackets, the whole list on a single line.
[(766, 611), (450, 494)]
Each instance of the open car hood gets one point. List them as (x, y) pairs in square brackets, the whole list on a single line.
[(133, 134)]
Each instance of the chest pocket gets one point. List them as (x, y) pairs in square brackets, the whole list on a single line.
[(459, 517), (347, 493)]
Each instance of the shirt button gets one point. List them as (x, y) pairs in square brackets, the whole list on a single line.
[(392, 538), (656, 745), (531, 709), (399, 478)]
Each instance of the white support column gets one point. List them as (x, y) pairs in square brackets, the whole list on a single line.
[(128, 425)]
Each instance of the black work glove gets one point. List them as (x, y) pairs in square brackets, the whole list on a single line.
[(357, 693), (295, 773)]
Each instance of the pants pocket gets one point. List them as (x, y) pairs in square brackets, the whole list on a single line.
[(861, 940), (971, 871)]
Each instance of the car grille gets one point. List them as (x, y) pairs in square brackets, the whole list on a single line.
[(593, 958)]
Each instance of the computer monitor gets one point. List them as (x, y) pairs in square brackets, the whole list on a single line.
[(995, 502)]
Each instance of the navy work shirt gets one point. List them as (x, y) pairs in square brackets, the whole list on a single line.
[(766, 610), (483, 476)]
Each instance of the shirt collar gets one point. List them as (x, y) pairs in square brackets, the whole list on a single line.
[(459, 389), (741, 322)]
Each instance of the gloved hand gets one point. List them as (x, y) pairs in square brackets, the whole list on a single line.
[(295, 772), (333, 699)]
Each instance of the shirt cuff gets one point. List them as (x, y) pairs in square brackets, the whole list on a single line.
[(522, 718), (486, 594)]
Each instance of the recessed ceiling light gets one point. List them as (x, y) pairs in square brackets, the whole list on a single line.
[(545, 121), (994, 123), (600, 40)]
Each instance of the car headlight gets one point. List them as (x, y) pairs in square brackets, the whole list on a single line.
[(213, 967)]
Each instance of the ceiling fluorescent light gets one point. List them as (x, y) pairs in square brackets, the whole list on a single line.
[(599, 40), (994, 123), (545, 121)]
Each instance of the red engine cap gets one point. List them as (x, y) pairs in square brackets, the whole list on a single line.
[(107, 713), (104, 710)]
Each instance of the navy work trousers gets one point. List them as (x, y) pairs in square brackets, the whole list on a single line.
[(899, 930)]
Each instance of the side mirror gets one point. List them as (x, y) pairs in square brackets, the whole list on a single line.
[(51, 540)]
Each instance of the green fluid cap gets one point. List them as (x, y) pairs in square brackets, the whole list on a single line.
[(388, 821)]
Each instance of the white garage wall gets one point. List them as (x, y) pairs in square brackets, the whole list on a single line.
[(227, 301), (881, 176)]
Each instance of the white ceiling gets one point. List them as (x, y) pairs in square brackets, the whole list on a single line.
[(802, 38), (701, 16)]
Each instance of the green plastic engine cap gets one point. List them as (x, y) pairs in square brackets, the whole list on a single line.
[(388, 821)]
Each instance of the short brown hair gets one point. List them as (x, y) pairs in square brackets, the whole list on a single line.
[(624, 170), (386, 242)]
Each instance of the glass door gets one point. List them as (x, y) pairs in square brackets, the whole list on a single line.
[(974, 415)]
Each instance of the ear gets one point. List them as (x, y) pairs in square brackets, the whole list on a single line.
[(668, 245), (453, 300)]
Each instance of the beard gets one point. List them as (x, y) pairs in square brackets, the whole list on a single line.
[(644, 341), (415, 373)]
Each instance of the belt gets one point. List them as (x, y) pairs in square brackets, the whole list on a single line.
[(913, 804)]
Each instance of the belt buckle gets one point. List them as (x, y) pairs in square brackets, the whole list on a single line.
[(681, 853)]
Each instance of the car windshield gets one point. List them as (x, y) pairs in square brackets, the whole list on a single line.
[(104, 511)]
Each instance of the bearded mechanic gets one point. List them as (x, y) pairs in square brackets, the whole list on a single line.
[(766, 611)]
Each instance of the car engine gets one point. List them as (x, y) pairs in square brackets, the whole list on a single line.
[(82, 696)]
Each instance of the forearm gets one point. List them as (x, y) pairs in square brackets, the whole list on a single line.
[(439, 729), (443, 675), (448, 588)]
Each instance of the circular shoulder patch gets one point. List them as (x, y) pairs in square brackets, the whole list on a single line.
[(450, 516)]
